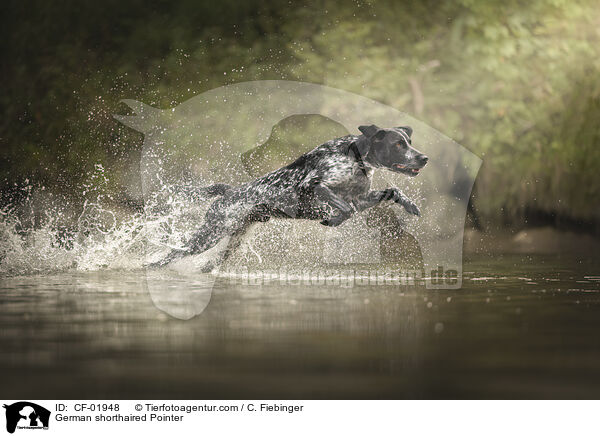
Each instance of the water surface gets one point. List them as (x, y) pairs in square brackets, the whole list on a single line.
[(521, 327)]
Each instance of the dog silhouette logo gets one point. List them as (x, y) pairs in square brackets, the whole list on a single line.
[(206, 141), (26, 415)]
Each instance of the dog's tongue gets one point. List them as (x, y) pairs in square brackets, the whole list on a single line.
[(412, 170), (401, 167)]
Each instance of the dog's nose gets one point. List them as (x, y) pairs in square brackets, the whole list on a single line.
[(423, 159)]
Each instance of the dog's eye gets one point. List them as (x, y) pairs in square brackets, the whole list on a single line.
[(401, 144)]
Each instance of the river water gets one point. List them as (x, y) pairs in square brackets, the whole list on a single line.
[(520, 327)]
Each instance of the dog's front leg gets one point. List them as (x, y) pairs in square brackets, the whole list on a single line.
[(373, 198), (341, 209)]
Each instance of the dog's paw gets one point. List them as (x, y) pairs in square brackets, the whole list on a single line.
[(411, 208), (408, 205), (405, 202), (335, 221)]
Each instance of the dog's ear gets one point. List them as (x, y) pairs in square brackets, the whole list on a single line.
[(363, 145), (407, 129), (371, 131)]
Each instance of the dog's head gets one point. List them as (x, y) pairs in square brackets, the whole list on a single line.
[(391, 149)]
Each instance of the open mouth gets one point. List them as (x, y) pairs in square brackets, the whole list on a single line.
[(407, 170)]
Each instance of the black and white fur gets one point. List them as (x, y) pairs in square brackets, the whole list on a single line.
[(329, 184)]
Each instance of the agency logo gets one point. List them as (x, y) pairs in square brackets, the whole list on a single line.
[(26, 415), (216, 138)]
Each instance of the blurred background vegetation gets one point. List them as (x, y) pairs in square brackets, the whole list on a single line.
[(516, 82)]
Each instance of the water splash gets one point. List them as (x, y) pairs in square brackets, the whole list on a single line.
[(208, 138), (44, 233)]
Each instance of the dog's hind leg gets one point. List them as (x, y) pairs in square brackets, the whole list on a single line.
[(173, 255), (234, 242), (216, 227), (205, 238), (258, 213)]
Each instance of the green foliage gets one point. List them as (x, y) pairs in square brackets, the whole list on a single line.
[(516, 82)]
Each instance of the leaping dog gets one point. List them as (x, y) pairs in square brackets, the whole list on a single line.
[(329, 184)]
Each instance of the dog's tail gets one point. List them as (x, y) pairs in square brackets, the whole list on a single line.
[(215, 190)]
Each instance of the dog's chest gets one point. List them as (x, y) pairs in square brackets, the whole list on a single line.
[(346, 176)]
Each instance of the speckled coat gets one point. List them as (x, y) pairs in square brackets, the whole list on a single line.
[(329, 184)]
